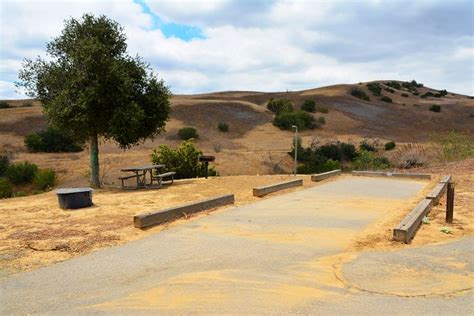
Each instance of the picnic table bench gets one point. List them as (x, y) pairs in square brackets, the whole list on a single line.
[(140, 174)]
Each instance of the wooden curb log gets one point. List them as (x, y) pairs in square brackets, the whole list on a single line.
[(264, 190), (392, 174), (169, 214), (410, 224), (437, 192), (325, 175)]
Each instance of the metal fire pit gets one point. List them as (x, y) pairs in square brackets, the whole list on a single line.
[(72, 198)]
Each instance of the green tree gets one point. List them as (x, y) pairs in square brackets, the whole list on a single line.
[(90, 86)]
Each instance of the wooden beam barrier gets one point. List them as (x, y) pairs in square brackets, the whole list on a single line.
[(173, 213), (407, 228), (325, 175), (264, 190), (426, 176)]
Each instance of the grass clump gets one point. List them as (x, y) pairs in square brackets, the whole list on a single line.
[(4, 163), (322, 109), (279, 106), (435, 108), (359, 93), (187, 133), (6, 189), (454, 146), (390, 145), (374, 88), (44, 180), (223, 127), (309, 106), (183, 160), (51, 140), (386, 99)]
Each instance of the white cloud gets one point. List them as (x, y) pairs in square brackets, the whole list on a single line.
[(273, 46)]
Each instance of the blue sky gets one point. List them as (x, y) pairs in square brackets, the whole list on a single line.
[(268, 45)]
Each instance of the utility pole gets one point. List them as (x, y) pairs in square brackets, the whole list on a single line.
[(296, 147)]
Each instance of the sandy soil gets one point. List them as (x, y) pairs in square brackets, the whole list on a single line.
[(35, 232)]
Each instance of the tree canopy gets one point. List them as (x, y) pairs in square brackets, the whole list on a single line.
[(90, 86)]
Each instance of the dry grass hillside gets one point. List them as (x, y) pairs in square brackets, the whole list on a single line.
[(252, 145)]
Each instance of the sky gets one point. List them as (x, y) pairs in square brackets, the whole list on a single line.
[(267, 45)]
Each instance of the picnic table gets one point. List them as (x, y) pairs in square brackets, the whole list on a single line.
[(140, 173)]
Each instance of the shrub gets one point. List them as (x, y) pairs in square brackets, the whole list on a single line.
[(359, 93), (21, 173), (441, 94), (404, 95), (389, 90), (183, 160), (321, 120), (435, 108), (301, 119), (44, 179), (4, 105), (187, 133), (322, 109), (51, 140), (308, 106), (279, 106), (364, 145), (390, 145), (19, 194), (316, 166), (427, 94), (4, 163), (366, 160), (25, 105), (386, 99), (223, 127), (374, 88), (394, 84), (6, 189)]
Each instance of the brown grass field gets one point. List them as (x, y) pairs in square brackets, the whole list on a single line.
[(35, 232)]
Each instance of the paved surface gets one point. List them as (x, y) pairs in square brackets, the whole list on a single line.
[(274, 256)]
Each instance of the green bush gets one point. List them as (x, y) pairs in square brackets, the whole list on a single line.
[(389, 90), (279, 106), (223, 127), (374, 88), (21, 173), (404, 95), (4, 163), (45, 179), (4, 105), (51, 140), (337, 151), (6, 189), (315, 166), (386, 99), (359, 93), (301, 119), (435, 108), (322, 109), (366, 160), (390, 145), (394, 84), (427, 94), (183, 160), (19, 194), (441, 94), (309, 106), (187, 133), (364, 145)]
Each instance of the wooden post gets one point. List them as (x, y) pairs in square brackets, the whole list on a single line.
[(450, 203)]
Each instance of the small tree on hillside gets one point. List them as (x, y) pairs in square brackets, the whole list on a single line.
[(93, 88)]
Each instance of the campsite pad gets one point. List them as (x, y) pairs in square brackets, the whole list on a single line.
[(276, 255)]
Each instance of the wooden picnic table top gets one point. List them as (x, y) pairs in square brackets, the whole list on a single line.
[(142, 168)]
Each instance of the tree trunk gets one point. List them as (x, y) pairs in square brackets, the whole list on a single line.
[(94, 143)]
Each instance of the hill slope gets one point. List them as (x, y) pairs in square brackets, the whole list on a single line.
[(253, 145)]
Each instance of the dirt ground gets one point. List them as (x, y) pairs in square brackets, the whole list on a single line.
[(35, 232)]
